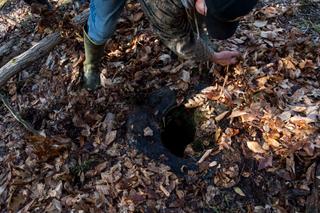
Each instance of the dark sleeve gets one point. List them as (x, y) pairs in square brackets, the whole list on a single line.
[(170, 21)]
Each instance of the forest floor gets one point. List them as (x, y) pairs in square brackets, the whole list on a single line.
[(260, 116)]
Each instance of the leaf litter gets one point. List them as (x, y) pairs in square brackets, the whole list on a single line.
[(259, 127)]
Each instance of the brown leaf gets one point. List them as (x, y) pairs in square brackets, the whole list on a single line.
[(104, 189), (237, 113), (15, 201), (110, 137), (137, 16), (255, 147), (164, 190), (136, 198), (54, 206), (273, 142), (221, 116), (57, 191), (265, 162)]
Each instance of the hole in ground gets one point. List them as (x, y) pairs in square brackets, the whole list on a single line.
[(178, 130)]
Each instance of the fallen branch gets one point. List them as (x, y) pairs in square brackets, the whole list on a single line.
[(15, 65), (7, 47), (20, 62), (81, 18)]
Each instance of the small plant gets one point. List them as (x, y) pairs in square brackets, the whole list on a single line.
[(82, 167)]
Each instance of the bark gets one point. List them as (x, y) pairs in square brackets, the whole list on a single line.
[(7, 47), (17, 64), (81, 18)]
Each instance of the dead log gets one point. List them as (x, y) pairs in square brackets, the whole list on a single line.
[(6, 48), (20, 62), (81, 18)]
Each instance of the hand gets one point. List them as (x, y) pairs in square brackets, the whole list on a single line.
[(225, 58)]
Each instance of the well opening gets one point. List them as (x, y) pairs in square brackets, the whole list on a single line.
[(178, 130)]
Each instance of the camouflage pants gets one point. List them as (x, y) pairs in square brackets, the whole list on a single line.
[(168, 18)]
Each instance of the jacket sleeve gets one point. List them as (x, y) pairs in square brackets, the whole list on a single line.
[(170, 20)]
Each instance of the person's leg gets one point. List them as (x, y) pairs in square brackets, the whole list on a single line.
[(100, 26), (103, 19)]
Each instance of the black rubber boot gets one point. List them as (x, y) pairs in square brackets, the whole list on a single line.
[(93, 54)]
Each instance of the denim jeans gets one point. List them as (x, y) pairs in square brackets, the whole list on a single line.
[(103, 19)]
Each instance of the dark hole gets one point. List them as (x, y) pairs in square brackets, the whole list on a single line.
[(178, 130)]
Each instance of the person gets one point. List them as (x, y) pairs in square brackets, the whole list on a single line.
[(182, 25)]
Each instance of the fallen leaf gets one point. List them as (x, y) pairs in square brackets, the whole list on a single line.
[(57, 191), (221, 116), (265, 162), (307, 120), (237, 113), (213, 164), (164, 190), (260, 23), (239, 191), (255, 147), (110, 137), (137, 16), (271, 35), (147, 132), (273, 142), (185, 76)]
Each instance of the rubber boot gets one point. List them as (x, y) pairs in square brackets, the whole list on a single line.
[(91, 71)]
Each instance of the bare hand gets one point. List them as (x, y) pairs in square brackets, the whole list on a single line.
[(225, 58)]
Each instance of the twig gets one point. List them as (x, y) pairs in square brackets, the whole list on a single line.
[(6, 103), (225, 81)]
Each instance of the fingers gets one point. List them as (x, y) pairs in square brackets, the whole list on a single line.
[(231, 53), (235, 54), (233, 61), (225, 58)]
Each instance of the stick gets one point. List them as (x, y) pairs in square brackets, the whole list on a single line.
[(15, 65), (7, 47), (225, 81), (81, 18), (18, 117), (20, 62)]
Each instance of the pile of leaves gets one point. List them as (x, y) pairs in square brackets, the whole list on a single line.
[(259, 123)]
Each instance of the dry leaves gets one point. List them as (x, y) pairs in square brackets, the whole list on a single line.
[(255, 147), (266, 112)]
